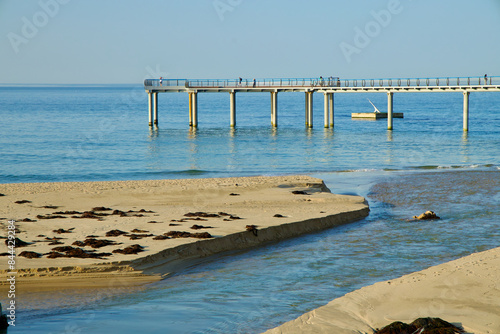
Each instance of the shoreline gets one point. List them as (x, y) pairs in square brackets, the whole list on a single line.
[(150, 208), (464, 292)]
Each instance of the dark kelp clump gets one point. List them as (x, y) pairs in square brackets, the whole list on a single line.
[(30, 255), (182, 234), (133, 249), (94, 243), (23, 201), (253, 229), (18, 242), (68, 251), (421, 326), (427, 215), (115, 233)]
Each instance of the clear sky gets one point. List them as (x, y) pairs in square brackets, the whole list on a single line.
[(124, 41)]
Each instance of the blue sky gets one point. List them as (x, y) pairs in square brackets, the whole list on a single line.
[(95, 41)]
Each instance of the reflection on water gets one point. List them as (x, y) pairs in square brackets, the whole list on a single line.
[(192, 133), (153, 132), (389, 135), (465, 148)]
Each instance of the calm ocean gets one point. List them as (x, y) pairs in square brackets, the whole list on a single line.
[(88, 133)]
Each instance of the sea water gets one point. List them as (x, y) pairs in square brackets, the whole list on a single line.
[(88, 133)]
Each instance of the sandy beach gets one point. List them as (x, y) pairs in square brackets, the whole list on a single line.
[(173, 222), (223, 215), (464, 292)]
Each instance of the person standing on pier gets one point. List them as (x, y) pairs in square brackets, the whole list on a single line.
[(254, 82), (485, 79), (161, 81)]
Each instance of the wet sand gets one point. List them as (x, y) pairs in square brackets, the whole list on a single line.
[(464, 292), (134, 232)]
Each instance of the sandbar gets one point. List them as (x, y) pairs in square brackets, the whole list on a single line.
[(278, 207)]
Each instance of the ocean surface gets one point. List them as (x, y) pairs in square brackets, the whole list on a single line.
[(89, 133)]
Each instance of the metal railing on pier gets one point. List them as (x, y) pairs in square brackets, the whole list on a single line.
[(165, 82), (421, 82), (329, 82), (271, 82)]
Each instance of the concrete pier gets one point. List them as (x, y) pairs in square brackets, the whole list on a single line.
[(331, 101), (150, 103), (466, 110), (190, 109), (390, 96), (155, 108), (327, 110), (274, 109), (232, 108), (193, 109), (309, 86), (309, 109)]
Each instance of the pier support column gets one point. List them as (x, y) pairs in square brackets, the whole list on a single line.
[(310, 110), (466, 111), (327, 110), (150, 103), (232, 101), (390, 96), (190, 109), (274, 109), (155, 104), (194, 114), (307, 109), (330, 103)]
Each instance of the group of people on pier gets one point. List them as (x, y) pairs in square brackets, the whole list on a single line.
[(240, 82), (331, 82)]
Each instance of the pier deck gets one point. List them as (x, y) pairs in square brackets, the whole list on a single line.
[(326, 86)]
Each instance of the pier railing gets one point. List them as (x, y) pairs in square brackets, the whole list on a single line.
[(421, 82), (271, 82), (165, 82), (328, 82)]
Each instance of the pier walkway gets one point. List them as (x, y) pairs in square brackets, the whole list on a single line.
[(326, 86)]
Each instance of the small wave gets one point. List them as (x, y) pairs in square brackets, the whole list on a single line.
[(421, 168), (426, 167), (180, 172), (32, 178), (362, 170), (473, 166), (464, 167)]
